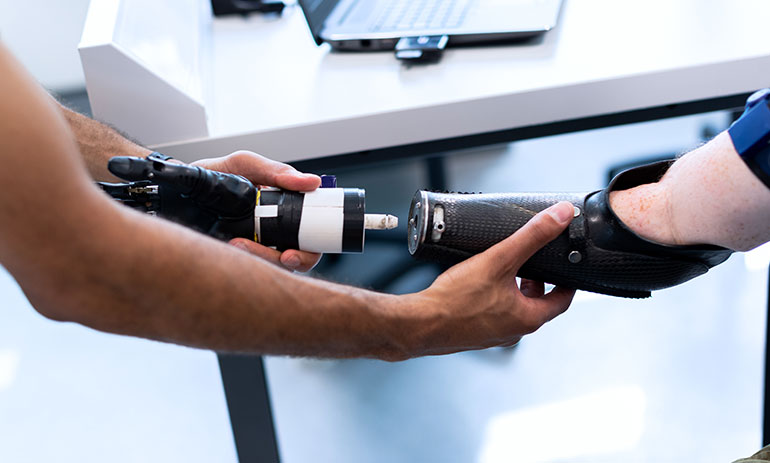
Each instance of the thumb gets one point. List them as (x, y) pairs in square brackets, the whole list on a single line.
[(539, 231), (296, 181), (263, 171)]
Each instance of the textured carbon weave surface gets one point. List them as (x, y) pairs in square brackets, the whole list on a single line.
[(474, 222)]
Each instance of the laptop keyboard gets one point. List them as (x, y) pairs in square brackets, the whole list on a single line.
[(403, 15)]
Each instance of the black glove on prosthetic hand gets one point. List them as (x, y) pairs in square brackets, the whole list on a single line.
[(217, 204), (596, 253)]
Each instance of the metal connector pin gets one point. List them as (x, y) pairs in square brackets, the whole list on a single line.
[(380, 222)]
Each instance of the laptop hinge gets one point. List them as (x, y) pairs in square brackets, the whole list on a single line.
[(244, 7), (421, 49)]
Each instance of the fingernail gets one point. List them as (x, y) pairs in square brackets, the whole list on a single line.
[(241, 246), (563, 212), (292, 262)]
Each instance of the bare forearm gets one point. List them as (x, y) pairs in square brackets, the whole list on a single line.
[(233, 301), (708, 196), (98, 143), (81, 257), (88, 260), (165, 282)]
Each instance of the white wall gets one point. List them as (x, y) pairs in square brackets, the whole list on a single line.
[(44, 35)]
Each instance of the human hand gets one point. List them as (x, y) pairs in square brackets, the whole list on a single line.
[(266, 172), (477, 304)]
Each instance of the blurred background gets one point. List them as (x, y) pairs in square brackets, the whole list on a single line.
[(677, 377), (44, 35)]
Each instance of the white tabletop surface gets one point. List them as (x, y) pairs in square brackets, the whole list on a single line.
[(271, 89)]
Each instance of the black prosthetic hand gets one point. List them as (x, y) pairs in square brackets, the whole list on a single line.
[(596, 253), (226, 206), (214, 203)]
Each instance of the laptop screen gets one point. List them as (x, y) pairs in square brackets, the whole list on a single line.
[(316, 12)]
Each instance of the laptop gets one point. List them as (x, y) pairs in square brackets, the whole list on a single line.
[(364, 25)]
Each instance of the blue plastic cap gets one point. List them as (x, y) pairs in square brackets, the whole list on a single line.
[(328, 181)]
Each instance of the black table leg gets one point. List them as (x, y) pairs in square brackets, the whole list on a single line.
[(766, 405), (248, 401)]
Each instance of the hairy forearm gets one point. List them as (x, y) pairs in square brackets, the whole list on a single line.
[(98, 143), (81, 257), (708, 196), (91, 261), (182, 287), (165, 282)]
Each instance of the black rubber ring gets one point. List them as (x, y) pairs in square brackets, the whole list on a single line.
[(354, 207), (289, 218)]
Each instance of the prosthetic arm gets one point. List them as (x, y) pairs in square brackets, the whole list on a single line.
[(596, 253), (599, 252), (226, 206)]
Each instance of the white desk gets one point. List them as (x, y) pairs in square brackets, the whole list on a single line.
[(270, 89)]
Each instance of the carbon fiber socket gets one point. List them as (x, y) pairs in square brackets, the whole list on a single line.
[(596, 252)]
